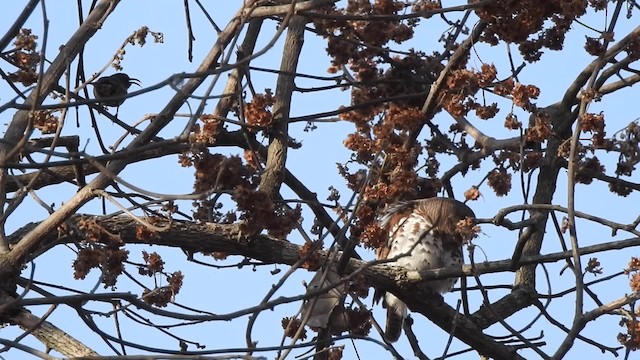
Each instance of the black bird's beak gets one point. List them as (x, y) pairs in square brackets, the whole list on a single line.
[(135, 81)]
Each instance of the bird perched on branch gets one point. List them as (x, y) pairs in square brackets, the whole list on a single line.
[(111, 90), (423, 235)]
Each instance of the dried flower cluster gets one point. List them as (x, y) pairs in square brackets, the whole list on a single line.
[(458, 96), (531, 24), (138, 37), (102, 250), (45, 121), (163, 295), (500, 181), (257, 112), (208, 132), (153, 264), (593, 266), (258, 211), (631, 339), (310, 252), (108, 260), (467, 229), (25, 57), (291, 327), (219, 173)]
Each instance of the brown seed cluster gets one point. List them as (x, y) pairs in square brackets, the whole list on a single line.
[(221, 172), (500, 181), (161, 296), (540, 130), (258, 111), (631, 339), (109, 260), (103, 251), (207, 133), (153, 264), (24, 57), (587, 168), (291, 326), (258, 211), (255, 209), (472, 194), (531, 24), (458, 96), (310, 252), (345, 38), (45, 121), (467, 229)]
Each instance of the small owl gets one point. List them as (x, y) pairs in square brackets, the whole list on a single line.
[(422, 236)]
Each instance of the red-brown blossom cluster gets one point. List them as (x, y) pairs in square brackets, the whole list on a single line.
[(540, 129), (520, 94), (530, 23), (511, 122), (633, 271), (103, 251), (310, 252), (587, 168), (344, 37), (291, 327), (25, 57), (532, 160), (154, 264), (257, 112), (467, 229), (206, 133), (45, 121), (628, 145), (594, 46), (594, 123), (163, 295), (109, 260), (500, 181), (258, 212), (220, 172), (458, 95), (472, 194), (426, 5), (631, 339)]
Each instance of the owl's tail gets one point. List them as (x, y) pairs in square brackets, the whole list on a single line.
[(396, 312)]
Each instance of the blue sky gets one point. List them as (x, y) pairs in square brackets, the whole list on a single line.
[(227, 290)]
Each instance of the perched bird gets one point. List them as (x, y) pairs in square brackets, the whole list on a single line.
[(423, 236), (111, 90)]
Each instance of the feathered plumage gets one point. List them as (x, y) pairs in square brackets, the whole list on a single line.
[(422, 236), (114, 88)]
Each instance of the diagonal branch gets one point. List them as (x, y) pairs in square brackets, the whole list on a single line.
[(277, 152)]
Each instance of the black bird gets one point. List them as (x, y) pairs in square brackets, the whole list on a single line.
[(113, 89)]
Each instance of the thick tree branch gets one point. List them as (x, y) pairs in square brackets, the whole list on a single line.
[(208, 238), (51, 336), (279, 142)]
